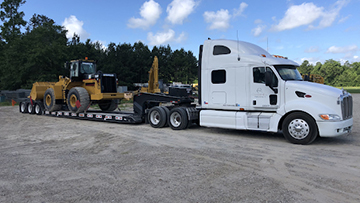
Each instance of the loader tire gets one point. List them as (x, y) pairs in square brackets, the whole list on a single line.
[(78, 99), (108, 106), (49, 101)]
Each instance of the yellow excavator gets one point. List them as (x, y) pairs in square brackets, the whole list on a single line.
[(153, 83), (84, 87)]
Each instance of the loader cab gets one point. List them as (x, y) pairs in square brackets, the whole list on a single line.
[(81, 69)]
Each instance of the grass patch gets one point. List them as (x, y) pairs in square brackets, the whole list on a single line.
[(351, 89), (6, 103)]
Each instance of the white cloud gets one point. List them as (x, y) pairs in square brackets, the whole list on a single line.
[(101, 44), (308, 13), (345, 49), (258, 30), (179, 10), (299, 15), (150, 12), (219, 20), (313, 49), (312, 60), (240, 10), (343, 19), (166, 37), (73, 25), (258, 21)]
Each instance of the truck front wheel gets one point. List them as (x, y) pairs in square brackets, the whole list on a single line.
[(299, 128), (178, 118)]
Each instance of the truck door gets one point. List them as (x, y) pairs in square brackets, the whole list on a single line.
[(262, 97)]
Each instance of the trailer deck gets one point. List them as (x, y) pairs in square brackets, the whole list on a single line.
[(97, 115)]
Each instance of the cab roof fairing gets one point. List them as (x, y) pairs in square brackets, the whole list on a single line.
[(251, 53)]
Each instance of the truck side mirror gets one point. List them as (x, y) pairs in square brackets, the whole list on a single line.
[(269, 77)]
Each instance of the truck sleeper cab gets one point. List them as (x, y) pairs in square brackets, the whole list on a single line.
[(243, 87)]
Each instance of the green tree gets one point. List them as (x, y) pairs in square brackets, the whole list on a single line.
[(12, 19), (330, 71), (306, 67)]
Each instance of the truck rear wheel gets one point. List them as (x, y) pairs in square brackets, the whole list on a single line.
[(157, 117), (110, 105), (178, 118), (300, 128), (78, 99), (49, 101)]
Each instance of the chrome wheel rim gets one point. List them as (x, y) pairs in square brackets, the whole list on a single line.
[(37, 109), (29, 108), (22, 107), (299, 129), (175, 119), (155, 117)]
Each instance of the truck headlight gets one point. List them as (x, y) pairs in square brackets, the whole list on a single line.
[(330, 117)]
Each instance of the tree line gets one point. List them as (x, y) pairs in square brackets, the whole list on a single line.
[(37, 50), (334, 73)]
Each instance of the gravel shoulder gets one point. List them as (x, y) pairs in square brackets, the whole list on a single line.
[(48, 159)]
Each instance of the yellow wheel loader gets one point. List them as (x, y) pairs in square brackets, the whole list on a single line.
[(84, 87)]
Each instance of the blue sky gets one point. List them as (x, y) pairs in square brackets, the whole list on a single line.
[(301, 30)]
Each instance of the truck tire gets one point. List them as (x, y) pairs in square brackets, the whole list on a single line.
[(107, 106), (78, 99), (178, 118), (30, 108), (49, 101), (38, 108), (157, 117), (167, 111), (23, 107), (299, 128)]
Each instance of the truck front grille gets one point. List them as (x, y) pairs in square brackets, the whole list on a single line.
[(347, 107)]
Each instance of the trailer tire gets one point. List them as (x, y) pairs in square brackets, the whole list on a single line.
[(107, 106), (299, 128), (78, 94), (157, 117), (178, 118), (49, 100), (22, 107), (30, 108), (38, 108)]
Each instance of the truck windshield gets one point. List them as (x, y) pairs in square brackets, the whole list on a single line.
[(288, 72)]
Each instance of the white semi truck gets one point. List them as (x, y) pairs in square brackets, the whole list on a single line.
[(242, 86)]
